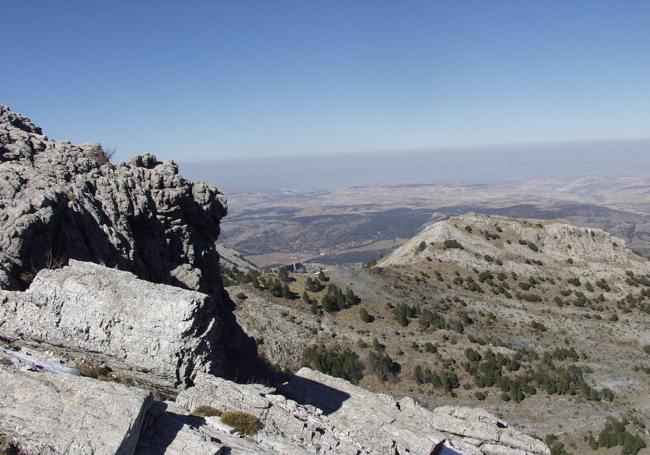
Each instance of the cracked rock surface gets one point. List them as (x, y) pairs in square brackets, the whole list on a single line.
[(61, 201), (160, 334), (52, 414)]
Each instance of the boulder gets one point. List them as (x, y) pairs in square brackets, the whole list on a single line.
[(56, 414), (158, 334)]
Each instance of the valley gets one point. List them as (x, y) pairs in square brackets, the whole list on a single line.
[(359, 224)]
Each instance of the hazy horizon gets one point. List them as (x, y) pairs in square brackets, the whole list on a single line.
[(466, 165)]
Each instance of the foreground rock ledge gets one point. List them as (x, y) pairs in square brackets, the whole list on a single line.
[(328, 415), (52, 414), (158, 334)]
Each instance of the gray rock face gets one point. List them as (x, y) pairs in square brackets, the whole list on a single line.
[(336, 417), (162, 335), (62, 201), (55, 414)]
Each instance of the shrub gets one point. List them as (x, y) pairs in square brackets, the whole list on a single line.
[(313, 285), (532, 246), (242, 296), (94, 371), (206, 411), (574, 281), (422, 246), (242, 422), (429, 347), (365, 316), (453, 244), (538, 326), (102, 155), (382, 366), (403, 312)]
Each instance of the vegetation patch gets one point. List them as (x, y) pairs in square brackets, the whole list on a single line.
[(242, 422), (615, 434), (342, 363), (206, 411)]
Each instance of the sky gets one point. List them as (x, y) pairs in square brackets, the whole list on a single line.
[(214, 80)]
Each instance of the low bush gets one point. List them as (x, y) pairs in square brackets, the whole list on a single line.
[(453, 244), (242, 422)]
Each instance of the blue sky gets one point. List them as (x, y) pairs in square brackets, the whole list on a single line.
[(226, 79)]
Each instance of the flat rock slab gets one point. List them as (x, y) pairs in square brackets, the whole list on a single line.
[(50, 414), (163, 332)]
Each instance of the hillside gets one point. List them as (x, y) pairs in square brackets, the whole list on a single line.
[(541, 322)]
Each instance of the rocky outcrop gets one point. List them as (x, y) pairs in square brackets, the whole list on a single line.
[(316, 413), (521, 246), (50, 414), (61, 201), (281, 333), (156, 334)]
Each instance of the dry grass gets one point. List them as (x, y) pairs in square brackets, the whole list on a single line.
[(90, 370), (102, 155), (242, 422), (206, 411)]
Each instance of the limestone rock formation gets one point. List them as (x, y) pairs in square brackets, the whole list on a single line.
[(51, 414), (315, 413), (281, 333), (62, 201), (521, 245), (158, 334)]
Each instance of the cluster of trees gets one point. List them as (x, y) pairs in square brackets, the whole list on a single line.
[(383, 366), (313, 284), (446, 379), (428, 319), (278, 288), (335, 299), (234, 276), (342, 363), (468, 283), (615, 434), (497, 370), (345, 363), (636, 281), (639, 301)]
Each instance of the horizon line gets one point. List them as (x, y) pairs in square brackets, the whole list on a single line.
[(435, 149)]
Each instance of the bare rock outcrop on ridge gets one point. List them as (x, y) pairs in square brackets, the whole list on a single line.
[(62, 201), (521, 245)]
